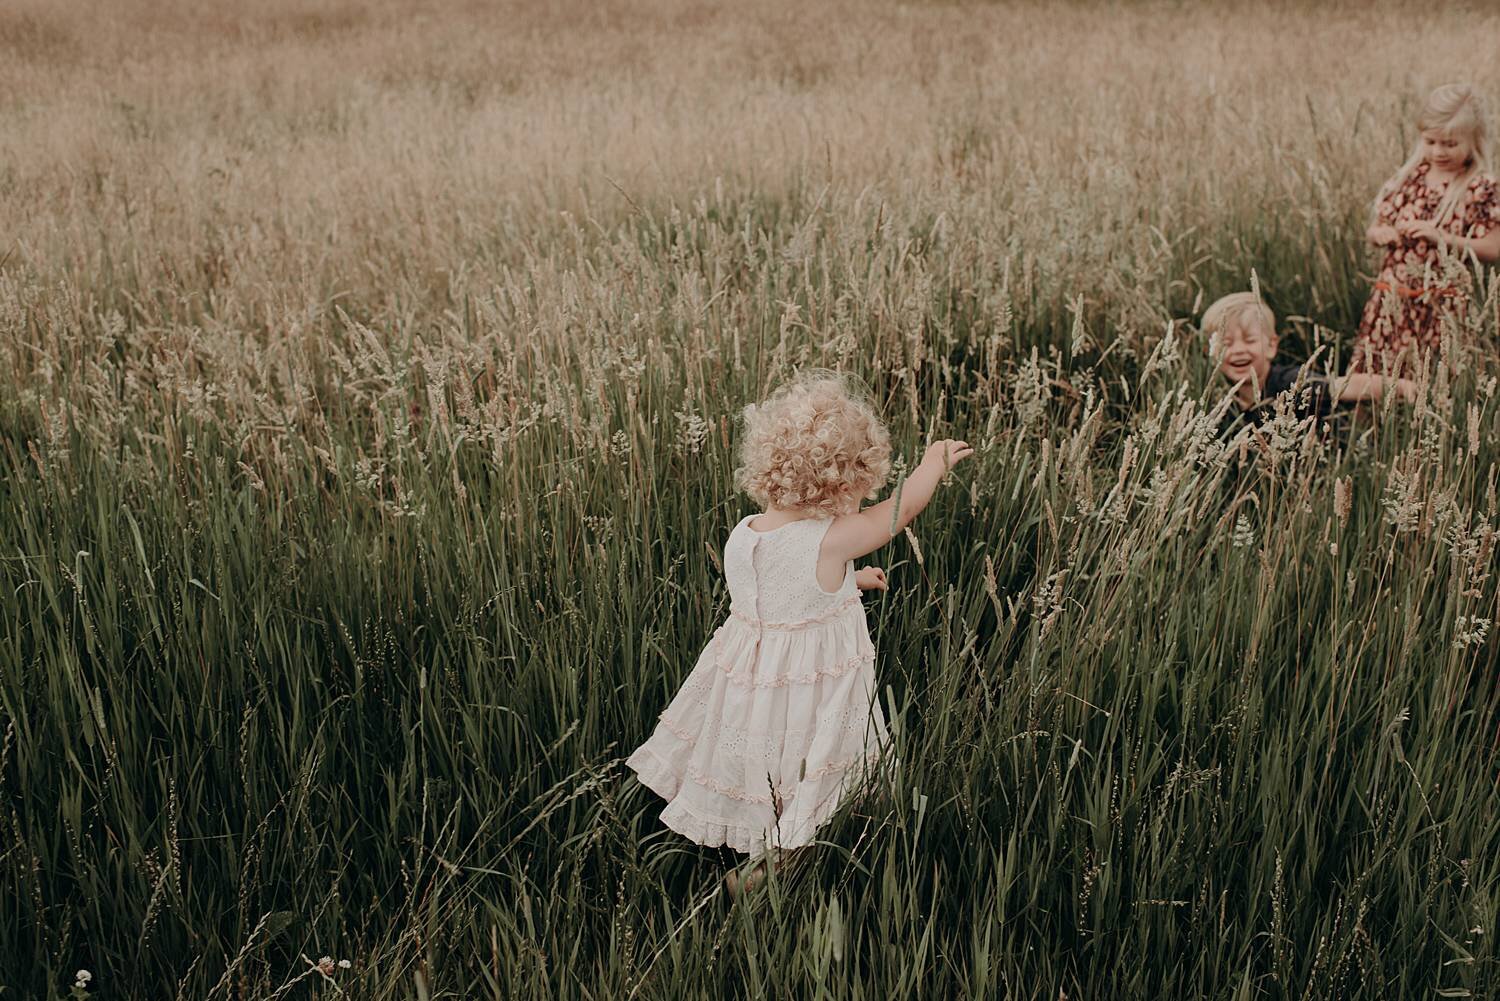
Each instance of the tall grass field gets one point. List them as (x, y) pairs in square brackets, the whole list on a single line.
[(369, 377)]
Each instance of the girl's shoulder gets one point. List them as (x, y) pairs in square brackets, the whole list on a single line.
[(1482, 182)]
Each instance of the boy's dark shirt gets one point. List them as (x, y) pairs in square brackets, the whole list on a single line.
[(1309, 395)]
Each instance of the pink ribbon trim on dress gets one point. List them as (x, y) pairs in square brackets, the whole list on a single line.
[(816, 620)]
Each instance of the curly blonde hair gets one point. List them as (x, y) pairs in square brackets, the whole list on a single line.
[(814, 446)]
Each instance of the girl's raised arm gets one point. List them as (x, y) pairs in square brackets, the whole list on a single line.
[(854, 535), (1365, 386)]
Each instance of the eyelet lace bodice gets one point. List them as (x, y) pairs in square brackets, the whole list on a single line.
[(773, 575)]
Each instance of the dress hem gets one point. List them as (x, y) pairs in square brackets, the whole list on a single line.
[(713, 832)]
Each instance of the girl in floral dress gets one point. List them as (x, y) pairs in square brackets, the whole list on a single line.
[(1434, 217), (778, 719)]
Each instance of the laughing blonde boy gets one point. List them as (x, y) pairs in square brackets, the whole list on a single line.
[(1242, 332)]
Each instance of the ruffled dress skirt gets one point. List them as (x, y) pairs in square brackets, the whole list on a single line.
[(770, 731)]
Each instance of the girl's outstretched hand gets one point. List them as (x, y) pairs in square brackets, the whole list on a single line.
[(946, 453), (870, 579), (860, 533), (1384, 236)]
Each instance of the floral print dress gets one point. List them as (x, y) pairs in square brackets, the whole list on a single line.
[(1416, 289)]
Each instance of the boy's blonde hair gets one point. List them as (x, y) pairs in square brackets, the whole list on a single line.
[(1453, 109), (1234, 308), (815, 446)]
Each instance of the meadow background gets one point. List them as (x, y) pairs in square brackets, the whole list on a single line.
[(368, 376)]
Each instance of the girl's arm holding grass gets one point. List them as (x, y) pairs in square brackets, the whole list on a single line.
[(854, 535), (1364, 386)]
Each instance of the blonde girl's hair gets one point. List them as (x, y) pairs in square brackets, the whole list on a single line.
[(1454, 109), (815, 446), (1233, 308)]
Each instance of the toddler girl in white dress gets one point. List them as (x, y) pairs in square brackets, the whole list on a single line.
[(778, 719)]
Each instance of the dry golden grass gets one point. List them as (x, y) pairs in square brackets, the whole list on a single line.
[(241, 170), (410, 138)]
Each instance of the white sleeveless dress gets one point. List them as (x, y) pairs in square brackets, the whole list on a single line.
[(779, 718)]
